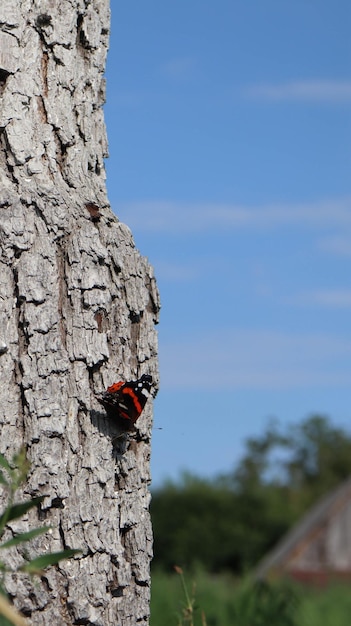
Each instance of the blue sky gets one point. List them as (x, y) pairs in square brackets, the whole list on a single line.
[(229, 133)]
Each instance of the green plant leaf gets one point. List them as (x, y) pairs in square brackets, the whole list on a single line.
[(37, 565), (4, 463), (21, 537), (19, 509), (3, 480), (22, 465)]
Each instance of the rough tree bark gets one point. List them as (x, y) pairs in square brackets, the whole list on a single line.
[(77, 311)]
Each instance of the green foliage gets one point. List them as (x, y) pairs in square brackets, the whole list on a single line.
[(220, 601), (12, 475), (186, 521), (230, 522), (303, 462), (259, 604), (189, 608), (329, 607), (320, 459)]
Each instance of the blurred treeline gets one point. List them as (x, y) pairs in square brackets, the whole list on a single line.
[(230, 522)]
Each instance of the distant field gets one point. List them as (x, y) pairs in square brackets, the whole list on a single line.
[(224, 601)]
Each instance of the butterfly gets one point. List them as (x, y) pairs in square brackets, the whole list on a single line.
[(126, 401)]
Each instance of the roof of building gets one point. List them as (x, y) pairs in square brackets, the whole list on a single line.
[(319, 513)]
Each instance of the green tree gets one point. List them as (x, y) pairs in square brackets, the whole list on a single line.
[(232, 520), (194, 522), (302, 462), (320, 457)]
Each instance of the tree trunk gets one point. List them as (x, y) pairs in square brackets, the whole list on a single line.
[(77, 311)]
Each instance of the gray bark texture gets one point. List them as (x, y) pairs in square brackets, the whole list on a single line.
[(78, 306)]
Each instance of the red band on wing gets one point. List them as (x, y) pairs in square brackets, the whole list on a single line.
[(134, 397), (115, 387)]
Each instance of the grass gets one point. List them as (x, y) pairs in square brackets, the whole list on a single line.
[(329, 607), (222, 600), (170, 604)]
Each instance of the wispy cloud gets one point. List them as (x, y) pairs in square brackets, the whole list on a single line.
[(320, 91), (256, 359), (178, 218), (337, 245), (177, 272), (326, 298), (179, 68)]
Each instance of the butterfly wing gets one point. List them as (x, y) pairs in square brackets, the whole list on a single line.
[(127, 400), (133, 397)]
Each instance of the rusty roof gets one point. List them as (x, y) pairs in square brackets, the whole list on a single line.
[(316, 516)]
